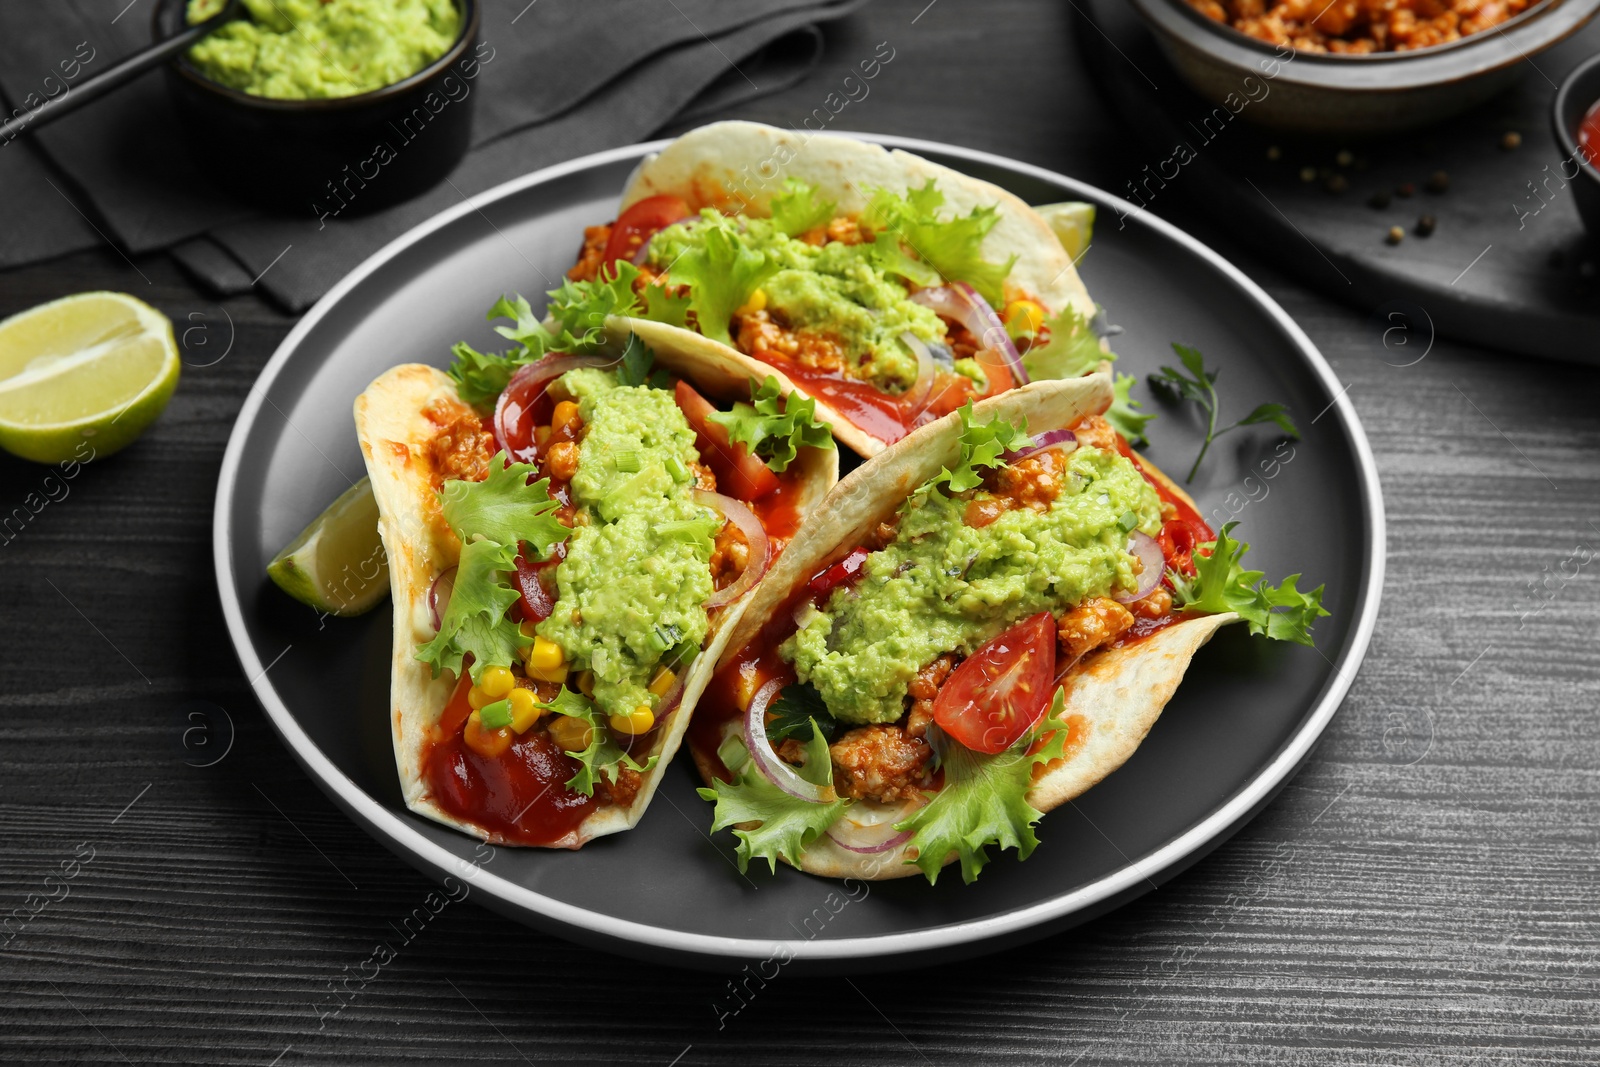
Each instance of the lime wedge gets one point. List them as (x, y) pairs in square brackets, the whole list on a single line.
[(93, 368), (337, 564), (1073, 223)]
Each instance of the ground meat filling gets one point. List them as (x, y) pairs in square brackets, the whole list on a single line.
[(461, 448), (1359, 27), (592, 258), (764, 333), (1093, 624), (924, 689), (730, 553), (880, 762)]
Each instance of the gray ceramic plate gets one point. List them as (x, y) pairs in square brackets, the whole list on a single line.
[(1242, 723)]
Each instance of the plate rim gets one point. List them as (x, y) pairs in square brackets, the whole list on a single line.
[(392, 829)]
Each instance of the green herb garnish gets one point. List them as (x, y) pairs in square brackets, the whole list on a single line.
[(1199, 385)]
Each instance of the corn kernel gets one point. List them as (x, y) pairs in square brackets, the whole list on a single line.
[(490, 743), (525, 710), (661, 684), (496, 682), (565, 414), (1024, 318), (477, 698), (757, 302), (571, 733), (586, 683), (545, 655), (637, 721)]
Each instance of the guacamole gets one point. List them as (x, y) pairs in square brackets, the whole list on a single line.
[(313, 49), (633, 586), (943, 586), (836, 288)]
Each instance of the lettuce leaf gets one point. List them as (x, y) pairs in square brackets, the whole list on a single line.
[(721, 272), (797, 210), (1222, 584), (787, 824), (950, 246), (475, 622), (581, 308), (604, 756), (504, 508), (1122, 414), (773, 426), (661, 306), (1072, 351), (982, 445), (983, 801)]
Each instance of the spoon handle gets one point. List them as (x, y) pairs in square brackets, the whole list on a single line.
[(119, 75)]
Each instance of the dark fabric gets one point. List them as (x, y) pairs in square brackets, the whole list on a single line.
[(568, 77)]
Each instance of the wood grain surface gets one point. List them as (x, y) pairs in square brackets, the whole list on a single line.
[(1424, 893)]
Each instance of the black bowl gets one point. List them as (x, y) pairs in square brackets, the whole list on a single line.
[(1579, 91), (330, 158)]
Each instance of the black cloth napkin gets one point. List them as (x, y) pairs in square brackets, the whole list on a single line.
[(568, 78)]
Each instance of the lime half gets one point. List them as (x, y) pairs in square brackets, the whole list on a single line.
[(1073, 223), (93, 368), (337, 564)]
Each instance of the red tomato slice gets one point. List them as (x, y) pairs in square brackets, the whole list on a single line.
[(640, 222), (846, 571), (456, 711), (999, 375), (999, 691), (739, 474), (536, 601)]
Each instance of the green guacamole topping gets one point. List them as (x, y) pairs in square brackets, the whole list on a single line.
[(942, 586), (633, 586), (836, 288), (313, 49)]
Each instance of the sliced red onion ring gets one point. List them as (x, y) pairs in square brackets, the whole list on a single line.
[(962, 303), (1155, 566), (439, 596), (1065, 440), (527, 384), (644, 246), (754, 533), (772, 768), (915, 397), (868, 828)]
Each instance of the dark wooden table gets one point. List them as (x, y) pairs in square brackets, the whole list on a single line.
[(1425, 892)]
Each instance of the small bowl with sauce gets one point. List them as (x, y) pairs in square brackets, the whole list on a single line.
[(291, 121), (1276, 84), (1576, 116)]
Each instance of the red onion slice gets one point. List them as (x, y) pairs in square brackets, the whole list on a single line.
[(754, 533), (962, 303), (644, 246), (439, 596), (772, 768), (1155, 566), (917, 396), (868, 828), (516, 399), (1065, 440)]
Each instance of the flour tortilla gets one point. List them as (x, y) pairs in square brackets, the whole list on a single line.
[(1118, 694), (742, 165), (394, 434)]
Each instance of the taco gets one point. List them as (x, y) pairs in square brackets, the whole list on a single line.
[(570, 537), (887, 287), (972, 629)]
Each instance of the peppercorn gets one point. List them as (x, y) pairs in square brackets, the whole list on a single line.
[(1438, 182), (1425, 225), (1308, 174), (1274, 153), (1379, 199), (1344, 158), (1336, 183), (1395, 235), (1511, 141), (1405, 189)]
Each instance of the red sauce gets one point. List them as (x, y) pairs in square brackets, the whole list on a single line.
[(779, 510), (1589, 136), (516, 797), (868, 408)]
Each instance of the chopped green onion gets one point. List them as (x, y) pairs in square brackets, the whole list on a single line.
[(664, 637), (688, 529), (493, 716), (627, 462), (675, 467), (1128, 522)]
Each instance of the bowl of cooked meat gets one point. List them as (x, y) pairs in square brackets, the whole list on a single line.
[(1355, 67)]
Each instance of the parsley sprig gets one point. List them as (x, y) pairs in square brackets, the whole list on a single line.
[(1199, 385), (1221, 583)]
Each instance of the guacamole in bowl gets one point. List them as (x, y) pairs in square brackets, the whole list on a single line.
[(319, 49)]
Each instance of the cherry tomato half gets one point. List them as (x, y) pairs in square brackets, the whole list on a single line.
[(999, 691), (641, 222), (536, 601), (739, 474)]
